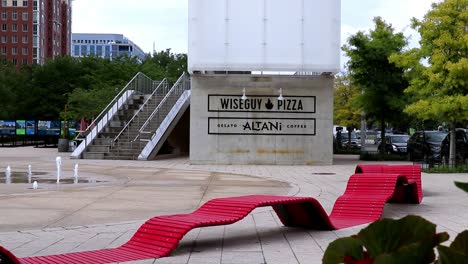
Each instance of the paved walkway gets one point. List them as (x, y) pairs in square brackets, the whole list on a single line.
[(116, 197)]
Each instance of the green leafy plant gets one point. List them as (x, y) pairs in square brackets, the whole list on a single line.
[(457, 252), (408, 240), (462, 185)]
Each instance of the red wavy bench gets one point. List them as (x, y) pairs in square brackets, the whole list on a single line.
[(412, 173), (362, 202)]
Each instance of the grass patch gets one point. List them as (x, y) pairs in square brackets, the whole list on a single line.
[(461, 168), (373, 156), (347, 151)]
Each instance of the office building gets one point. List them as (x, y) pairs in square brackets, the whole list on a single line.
[(108, 46), (34, 30)]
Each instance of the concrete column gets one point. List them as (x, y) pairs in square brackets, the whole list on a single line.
[(261, 129)]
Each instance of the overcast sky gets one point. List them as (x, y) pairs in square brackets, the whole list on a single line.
[(164, 22)]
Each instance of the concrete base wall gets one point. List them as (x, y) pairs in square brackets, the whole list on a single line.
[(261, 129)]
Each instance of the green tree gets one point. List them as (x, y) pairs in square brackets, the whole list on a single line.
[(381, 81), (165, 64), (85, 85), (10, 80), (101, 79), (346, 112), (438, 70)]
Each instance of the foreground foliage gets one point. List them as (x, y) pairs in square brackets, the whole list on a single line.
[(411, 239)]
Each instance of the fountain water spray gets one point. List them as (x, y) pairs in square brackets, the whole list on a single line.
[(75, 173), (8, 175), (35, 185), (29, 173), (58, 160)]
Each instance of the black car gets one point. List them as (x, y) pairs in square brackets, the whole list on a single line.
[(395, 144), (461, 147), (426, 146), (355, 142)]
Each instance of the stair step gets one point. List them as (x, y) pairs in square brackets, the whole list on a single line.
[(93, 155), (98, 148)]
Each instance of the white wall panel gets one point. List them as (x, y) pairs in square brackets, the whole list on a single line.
[(264, 35)]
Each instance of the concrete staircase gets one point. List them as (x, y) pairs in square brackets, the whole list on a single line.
[(129, 130), (101, 145)]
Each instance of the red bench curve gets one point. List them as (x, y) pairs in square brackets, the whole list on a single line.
[(363, 201)]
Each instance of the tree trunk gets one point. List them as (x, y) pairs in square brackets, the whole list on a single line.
[(349, 137), (382, 135), (453, 145)]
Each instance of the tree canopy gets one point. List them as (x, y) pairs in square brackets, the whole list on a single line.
[(381, 81), (346, 111), (438, 70), (71, 88)]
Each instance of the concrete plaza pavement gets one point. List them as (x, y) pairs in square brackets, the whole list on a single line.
[(115, 197)]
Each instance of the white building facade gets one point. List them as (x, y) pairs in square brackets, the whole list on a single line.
[(262, 81), (109, 46)]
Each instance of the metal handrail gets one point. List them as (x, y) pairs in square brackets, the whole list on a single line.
[(176, 91), (160, 85), (133, 83)]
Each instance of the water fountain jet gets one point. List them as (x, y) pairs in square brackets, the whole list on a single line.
[(8, 175), (58, 161), (29, 173), (75, 173)]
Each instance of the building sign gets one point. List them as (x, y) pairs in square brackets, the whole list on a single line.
[(261, 103), (261, 126)]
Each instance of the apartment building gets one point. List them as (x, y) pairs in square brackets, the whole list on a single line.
[(108, 46), (34, 30)]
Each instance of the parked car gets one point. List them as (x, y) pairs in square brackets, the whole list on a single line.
[(355, 142), (461, 147), (426, 146), (377, 139), (395, 144)]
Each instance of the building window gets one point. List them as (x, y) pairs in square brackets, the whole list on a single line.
[(76, 50), (14, 51), (24, 61), (84, 50), (14, 15), (4, 50), (92, 50), (14, 39), (15, 3), (25, 51), (4, 39), (4, 3), (99, 51), (4, 27), (25, 39), (4, 15), (25, 15), (107, 52), (25, 2), (25, 27), (35, 5), (15, 61), (14, 27)]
